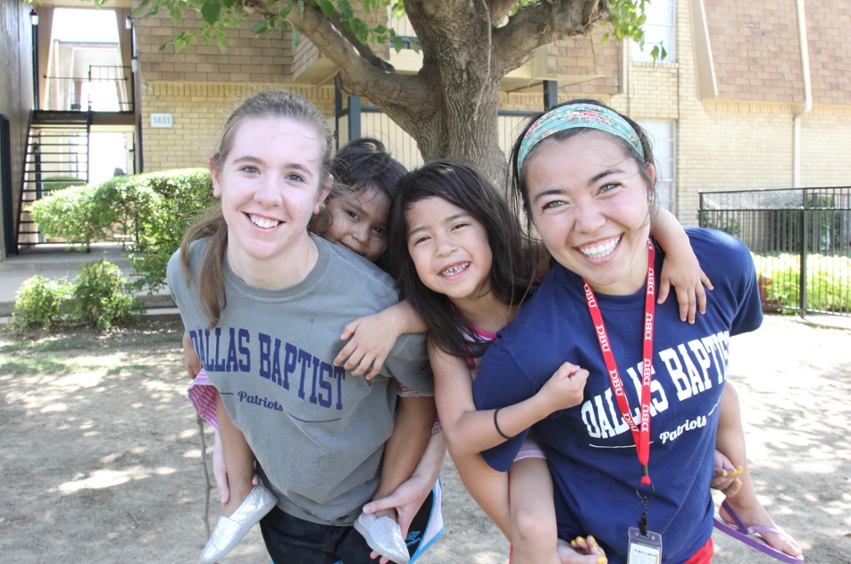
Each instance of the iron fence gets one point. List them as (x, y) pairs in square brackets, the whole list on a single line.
[(102, 89), (789, 232)]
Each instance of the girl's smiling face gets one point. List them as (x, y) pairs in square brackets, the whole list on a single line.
[(450, 249), (270, 186), (359, 222), (590, 204)]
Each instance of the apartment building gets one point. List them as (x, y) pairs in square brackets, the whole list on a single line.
[(749, 95)]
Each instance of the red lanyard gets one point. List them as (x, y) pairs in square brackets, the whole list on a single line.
[(641, 434)]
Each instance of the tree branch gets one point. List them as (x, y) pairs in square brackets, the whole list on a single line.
[(375, 79), (365, 50), (542, 23), (499, 10)]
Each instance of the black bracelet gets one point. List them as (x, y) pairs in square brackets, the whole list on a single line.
[(495, 424)]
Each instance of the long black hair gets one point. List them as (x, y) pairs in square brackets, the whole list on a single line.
[(513, 269)]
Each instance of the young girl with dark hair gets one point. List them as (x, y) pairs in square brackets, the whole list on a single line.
[(464, 268)]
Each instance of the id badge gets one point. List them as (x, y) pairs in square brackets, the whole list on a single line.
[(644, 549)]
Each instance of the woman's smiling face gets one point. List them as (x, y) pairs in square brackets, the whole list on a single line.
[(591, 206), (270, 186)]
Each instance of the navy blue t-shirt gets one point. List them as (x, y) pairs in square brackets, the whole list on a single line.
[(590, 449)]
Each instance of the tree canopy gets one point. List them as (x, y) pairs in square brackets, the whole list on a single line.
[(450, 106)]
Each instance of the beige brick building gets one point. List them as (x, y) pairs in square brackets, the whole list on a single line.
[(721, 106)]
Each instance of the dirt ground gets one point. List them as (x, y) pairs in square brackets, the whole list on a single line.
[(100, 452)]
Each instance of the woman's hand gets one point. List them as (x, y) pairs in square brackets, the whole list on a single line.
[(410, 495)]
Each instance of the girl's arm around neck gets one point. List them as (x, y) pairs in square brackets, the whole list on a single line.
[(469, 431), (680, 268), (373, 337)]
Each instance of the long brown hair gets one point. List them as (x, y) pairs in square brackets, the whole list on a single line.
[(273, 104)]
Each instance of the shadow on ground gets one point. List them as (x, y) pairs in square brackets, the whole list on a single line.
[(100, 451)]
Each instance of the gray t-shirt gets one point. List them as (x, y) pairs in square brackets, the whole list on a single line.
[(317, 431)]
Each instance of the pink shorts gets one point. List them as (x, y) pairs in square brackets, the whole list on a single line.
[(202, 395), (529, 449)]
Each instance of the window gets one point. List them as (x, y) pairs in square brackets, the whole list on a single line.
[(663, 137), (659, 30)]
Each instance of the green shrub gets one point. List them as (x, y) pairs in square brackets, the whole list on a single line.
[(51, 183), (66, 214), (39, 303), (165, 207), (152, 210), (828, 281), (99, 298)]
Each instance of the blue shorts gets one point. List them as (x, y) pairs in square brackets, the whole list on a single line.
[(291, 540)]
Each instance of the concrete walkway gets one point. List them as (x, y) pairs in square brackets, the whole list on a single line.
[(53, 262)]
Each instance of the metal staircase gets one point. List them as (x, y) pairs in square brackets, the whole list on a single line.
[(57, 153)]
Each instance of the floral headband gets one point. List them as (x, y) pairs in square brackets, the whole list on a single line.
[(574, 116)]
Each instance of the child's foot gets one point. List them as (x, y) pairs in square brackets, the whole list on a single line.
[(758, 520), (383, 535), (238, 493), (581, 551), (231, 528)]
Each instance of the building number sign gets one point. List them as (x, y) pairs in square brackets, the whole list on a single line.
[(161, 120)]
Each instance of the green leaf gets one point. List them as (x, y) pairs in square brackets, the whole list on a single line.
[(222, 42), (181, 42), (140, 8), (295, 39), (175, 16), (605, 38), (346, 10), (398, 43), (327, 8), (210, 11), (260, 27)]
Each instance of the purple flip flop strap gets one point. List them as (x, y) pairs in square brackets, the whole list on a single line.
[(739, 530)]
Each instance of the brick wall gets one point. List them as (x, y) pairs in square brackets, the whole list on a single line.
[(826, 146), (248, 59), (756, 50), (199, 110), (587, 55), (830, 50)]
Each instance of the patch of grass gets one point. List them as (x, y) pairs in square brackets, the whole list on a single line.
[(115, 370), (147, 334), (24, 365)]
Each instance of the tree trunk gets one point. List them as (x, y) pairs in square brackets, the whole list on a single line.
[(450, 107)]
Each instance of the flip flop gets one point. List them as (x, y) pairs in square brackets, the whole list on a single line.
[(752, 536)]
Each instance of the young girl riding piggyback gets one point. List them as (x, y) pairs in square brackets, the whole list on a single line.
[(465, 269), (285, 391)]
